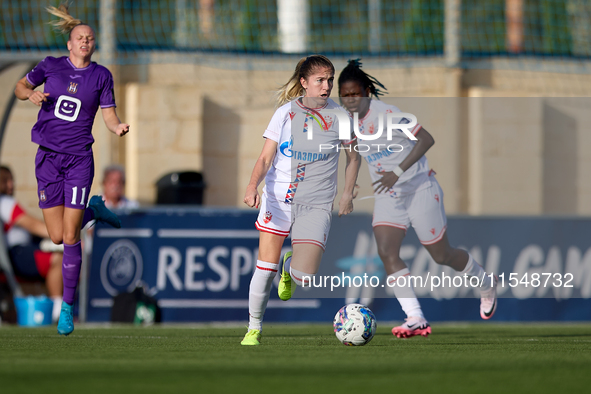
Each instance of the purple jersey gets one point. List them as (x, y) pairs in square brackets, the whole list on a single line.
[(65, 121)]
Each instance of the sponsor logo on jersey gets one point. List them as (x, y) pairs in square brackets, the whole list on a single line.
[(285, 148), (291, 115), (73, 87), (42, 196), (67, 108), (268, 217), (328, 121), (437, 197), (432, 231)]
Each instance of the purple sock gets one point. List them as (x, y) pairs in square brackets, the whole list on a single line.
[(71, 270), (88, 216)]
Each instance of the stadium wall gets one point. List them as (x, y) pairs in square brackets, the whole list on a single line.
[(209, 114)]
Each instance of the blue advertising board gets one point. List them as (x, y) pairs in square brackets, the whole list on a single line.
[(198, 262)]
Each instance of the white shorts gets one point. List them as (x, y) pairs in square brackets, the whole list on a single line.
[(423, 210), (308, 225), (274, 217)]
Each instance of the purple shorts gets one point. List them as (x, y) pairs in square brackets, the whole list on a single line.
[(63, 179)]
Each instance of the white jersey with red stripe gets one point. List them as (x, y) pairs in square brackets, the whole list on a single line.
[(304, 170), (381, 154), (10, 211)]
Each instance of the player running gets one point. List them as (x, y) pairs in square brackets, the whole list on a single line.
[(74, 89), (300, 185), (406, 193)]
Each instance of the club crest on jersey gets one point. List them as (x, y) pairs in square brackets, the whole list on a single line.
[(328, 122), (73, 87), (42, 196), (268, 217)]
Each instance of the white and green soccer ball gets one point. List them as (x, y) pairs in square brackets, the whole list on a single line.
[(354, 325)]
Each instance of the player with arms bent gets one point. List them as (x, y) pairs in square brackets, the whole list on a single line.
[(300, 185), (406, 193), (74, 88)]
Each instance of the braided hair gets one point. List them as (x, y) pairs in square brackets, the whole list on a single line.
[(353, 72)]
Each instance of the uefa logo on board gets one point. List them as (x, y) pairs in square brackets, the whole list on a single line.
[(121, 267)]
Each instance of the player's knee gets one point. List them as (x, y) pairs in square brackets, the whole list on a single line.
[(387, 254), (57, 239), (71, 238)]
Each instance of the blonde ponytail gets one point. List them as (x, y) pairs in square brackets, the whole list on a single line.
[(293, 88), (67, 22), (305, 67)]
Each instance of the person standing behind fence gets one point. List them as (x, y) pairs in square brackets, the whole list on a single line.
[(74, 88), (300, 185), (406, 193)]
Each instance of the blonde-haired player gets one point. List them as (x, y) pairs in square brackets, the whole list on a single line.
[(300, 184)]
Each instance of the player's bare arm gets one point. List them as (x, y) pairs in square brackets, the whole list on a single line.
[(113, 122), (261, 167), (424, 142), (351, 171), (25, 91), (32, 225)]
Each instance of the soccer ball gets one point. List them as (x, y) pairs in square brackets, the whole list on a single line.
[(354, 325)]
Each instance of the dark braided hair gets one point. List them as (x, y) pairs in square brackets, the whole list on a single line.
[(353, 72)]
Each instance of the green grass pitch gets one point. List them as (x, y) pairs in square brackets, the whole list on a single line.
[(461, 358)]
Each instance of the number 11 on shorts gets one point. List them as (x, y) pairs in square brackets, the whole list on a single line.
[(75, 193)]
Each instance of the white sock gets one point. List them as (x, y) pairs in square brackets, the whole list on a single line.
[(405, 294), (57, 307), (259, 291), (298, 277), (475, 269)]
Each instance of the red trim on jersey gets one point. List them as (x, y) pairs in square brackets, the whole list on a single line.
[(437, 239), (389, 224), (349, 142), (42, 262), (17, 212), (304, 107), (416, 129), (266, 269), (316, 112), (270, 230), (308, 241), (366, 115)]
